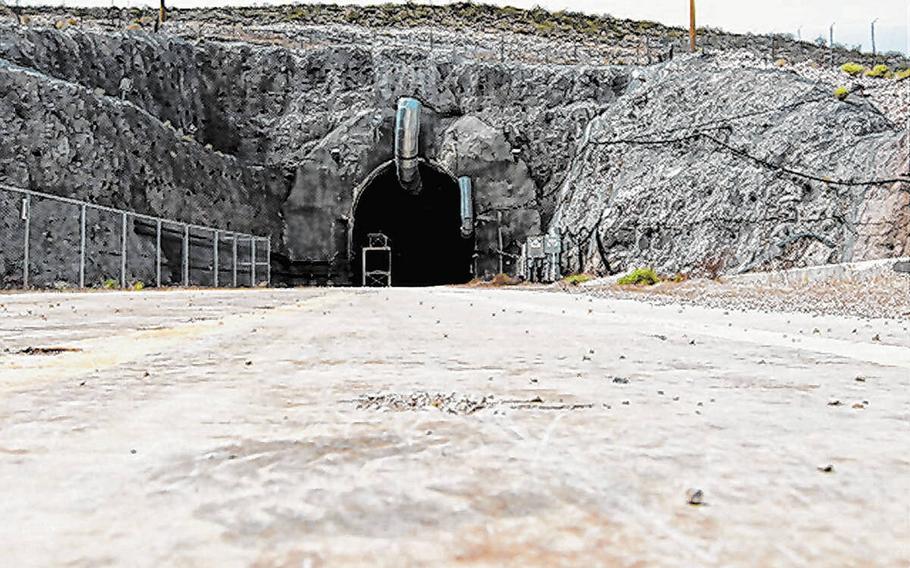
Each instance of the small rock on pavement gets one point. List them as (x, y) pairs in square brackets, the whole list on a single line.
[(695, 497), (826, 468)]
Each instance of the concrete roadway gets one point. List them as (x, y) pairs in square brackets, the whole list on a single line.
[(222, 428)]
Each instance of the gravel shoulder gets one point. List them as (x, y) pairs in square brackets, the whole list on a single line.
[(881, 297)]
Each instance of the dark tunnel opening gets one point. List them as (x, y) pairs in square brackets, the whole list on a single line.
[(424, 230)]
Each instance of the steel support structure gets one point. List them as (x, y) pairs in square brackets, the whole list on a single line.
[(27, 217), (186, 255), (82, 246), (215, 260), (252, 263), (158, 253), (123, 222), (234, 262), (268, 265)]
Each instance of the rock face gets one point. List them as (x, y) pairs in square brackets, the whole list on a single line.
[(700, 168), (280, 141), (686, 166)]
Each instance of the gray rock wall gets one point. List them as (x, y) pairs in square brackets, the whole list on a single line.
[(279, 139), (683, 174)]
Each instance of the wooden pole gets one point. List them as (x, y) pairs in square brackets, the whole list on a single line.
[(162, 13), (692, 26)]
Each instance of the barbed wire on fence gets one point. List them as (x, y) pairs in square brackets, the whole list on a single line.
[(51, 241)]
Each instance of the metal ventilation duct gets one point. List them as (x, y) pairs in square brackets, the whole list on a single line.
[(466, 187), (407, 144)]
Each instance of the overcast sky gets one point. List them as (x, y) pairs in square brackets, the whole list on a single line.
[(853, 17)]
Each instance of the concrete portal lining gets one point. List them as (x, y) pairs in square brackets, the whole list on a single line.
[(425, 228), (360, 188)]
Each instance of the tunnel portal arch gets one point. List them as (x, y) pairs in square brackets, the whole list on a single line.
[(428, 248)]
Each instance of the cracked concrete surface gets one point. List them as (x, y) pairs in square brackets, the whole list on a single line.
[(217, 428)]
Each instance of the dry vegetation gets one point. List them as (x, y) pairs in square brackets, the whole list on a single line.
[(878, 297)]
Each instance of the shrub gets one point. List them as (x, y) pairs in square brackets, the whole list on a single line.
[(902, 74), (110, 284), (545, 28), (576, 279), (138, 286), (679, 278), (879, 72), (841, 93), (853, 69), (498, 280), (639, 277)]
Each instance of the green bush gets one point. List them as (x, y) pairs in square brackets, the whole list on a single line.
[(853, 69), (841, 93), (879, 72), (110, 284), (545, 28), (639, 277), (576, 279)]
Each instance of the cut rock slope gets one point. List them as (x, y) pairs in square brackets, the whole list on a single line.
[(632, 165), (704, 168)]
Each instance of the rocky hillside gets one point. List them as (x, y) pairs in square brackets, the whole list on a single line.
[(271, 120), (535, 35), (282, 134), (706, 168)]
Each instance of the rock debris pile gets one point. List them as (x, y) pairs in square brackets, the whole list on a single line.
[(450, 403)]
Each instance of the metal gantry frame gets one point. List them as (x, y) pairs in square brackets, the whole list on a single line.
[(126, 217), (377, 243)]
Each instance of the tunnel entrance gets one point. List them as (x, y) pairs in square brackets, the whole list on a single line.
[(423, 229)]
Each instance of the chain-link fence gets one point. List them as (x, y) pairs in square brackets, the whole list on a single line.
[(56, 242)]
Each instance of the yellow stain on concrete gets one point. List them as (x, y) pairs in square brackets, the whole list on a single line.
[(19, 371)]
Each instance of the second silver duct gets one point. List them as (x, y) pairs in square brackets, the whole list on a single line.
[(466, 188)]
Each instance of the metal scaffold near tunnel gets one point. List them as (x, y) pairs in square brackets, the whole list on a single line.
[(50, 241), (378, 248)]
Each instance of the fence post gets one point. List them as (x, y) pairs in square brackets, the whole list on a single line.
[(26, 216), (268, 267), (252, 262), (234, 263), (186, 255), (158, 253), (499, 240), (123, 250), (82, 247), (215, 258)]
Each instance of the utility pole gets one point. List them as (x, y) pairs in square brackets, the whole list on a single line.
[(874, 53), (162, 16), (799, 33), (831, 42), (691, 26), (432, 19)]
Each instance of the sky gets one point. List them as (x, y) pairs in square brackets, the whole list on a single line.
[(810, 18)]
